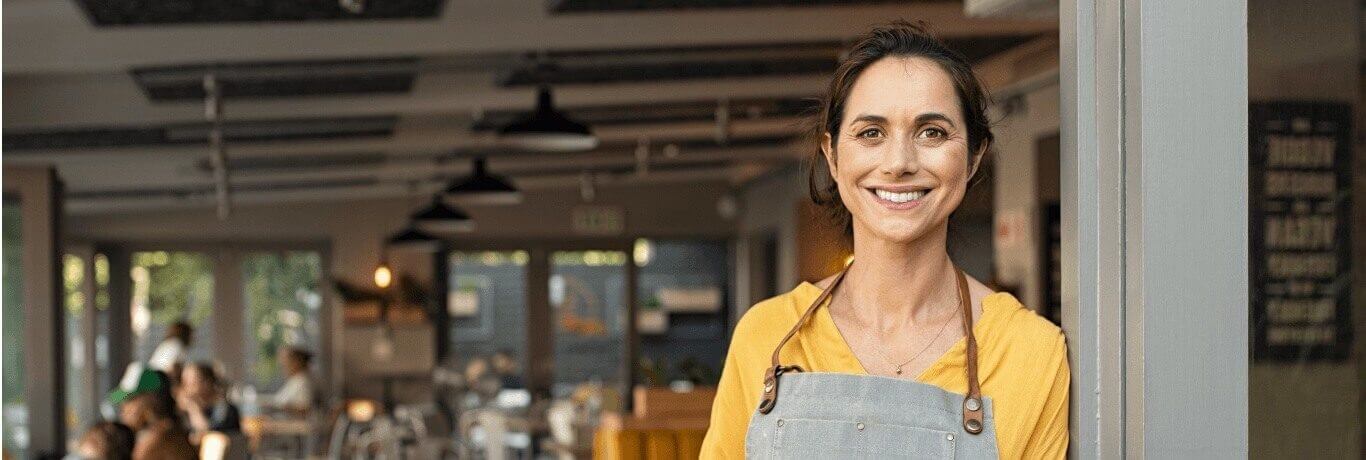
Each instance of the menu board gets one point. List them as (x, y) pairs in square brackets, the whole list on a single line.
[(1300, 211)]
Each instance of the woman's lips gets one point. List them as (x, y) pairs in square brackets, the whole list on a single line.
[(899, 200)]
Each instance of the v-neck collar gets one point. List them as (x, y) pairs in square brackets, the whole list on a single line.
[(829, 335)]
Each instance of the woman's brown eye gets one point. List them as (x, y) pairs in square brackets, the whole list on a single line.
[(870, 133), (932, 133)]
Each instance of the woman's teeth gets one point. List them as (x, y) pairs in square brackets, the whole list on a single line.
[(904, 197)]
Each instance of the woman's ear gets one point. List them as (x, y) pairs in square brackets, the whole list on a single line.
[(977, 161), (829, 151)]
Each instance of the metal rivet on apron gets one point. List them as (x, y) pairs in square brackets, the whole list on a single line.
[(974, 425), (860, 426), (973, 404), (780, 422), (949, 436)]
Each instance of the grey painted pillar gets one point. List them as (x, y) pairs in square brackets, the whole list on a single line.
[(1154, 192), (39, 194)]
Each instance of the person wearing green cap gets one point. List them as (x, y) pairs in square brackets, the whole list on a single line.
[(145, 405)]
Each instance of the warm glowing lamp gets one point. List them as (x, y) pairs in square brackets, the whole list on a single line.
[(384, 276)]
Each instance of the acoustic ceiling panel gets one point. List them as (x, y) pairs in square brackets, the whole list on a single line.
[(584, 6), (142, 12)]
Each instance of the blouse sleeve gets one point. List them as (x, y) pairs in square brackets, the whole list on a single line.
[(1050, 435), (729, 412)]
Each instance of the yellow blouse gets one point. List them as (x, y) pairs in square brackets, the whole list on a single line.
[(1022, 364)]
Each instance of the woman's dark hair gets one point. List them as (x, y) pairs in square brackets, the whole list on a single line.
[(161, 403), (903, 40), (207, 372), (180, 330), (303, 356), (114, 440)]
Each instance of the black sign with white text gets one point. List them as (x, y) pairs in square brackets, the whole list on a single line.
[(1299, 233)]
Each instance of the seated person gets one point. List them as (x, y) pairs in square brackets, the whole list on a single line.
[(505, 366), (296, 396), (146, 406), (201, 398), (104, 441)]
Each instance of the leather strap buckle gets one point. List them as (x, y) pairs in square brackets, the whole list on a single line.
[(770, 394)]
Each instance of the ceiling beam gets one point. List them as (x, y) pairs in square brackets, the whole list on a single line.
[(96, 206), (50, 103)]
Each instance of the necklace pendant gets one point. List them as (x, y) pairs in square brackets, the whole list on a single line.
[(898, 370)]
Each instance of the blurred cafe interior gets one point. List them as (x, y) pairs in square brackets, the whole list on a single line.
[(462, 228)]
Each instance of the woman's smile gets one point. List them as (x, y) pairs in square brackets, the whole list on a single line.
[(899, 198)]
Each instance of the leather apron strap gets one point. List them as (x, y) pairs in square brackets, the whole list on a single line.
[(972, 404)]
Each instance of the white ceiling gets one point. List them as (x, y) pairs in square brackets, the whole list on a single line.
[(63, 73)]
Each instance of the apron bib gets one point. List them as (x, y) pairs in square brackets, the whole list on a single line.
[(828, 415)]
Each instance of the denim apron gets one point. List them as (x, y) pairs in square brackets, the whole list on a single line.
[(828, 415)]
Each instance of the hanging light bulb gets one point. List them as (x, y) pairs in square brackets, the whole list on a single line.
[(384, 276)]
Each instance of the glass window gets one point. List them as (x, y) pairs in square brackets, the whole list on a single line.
[(486, 300), (681, 315), (1307, 229), (170, 286), (587, 301), (15, 410), (102, 324), (283, 305), (78, 403)]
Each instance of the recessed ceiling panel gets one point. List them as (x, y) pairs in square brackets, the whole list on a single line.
[(142, 12), (583, 6)]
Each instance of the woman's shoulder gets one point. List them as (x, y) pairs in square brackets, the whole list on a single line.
[(771, 318), (1007, 321)]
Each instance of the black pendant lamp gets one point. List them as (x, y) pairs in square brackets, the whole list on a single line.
[(547, 129), (413, 239), (482, 187), (441, 218)]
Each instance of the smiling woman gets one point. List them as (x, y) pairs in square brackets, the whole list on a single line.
[(900, 354)]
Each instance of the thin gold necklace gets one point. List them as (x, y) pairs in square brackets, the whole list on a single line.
[(897, 367)]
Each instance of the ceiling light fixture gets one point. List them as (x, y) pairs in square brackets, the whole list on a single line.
[(547, 129), (482, 187), (411, 238), (441, 218)]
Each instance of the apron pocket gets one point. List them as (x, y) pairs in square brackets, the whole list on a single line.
[(807, 438)]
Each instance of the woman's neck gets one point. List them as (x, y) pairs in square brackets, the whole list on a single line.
[(899, 284)]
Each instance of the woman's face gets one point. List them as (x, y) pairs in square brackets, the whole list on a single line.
[(196, 385), (901, 157), (133, 412)]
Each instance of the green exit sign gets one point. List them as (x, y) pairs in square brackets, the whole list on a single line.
[(599, 220)]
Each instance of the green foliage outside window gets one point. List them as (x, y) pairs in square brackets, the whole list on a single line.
[(281, 292)]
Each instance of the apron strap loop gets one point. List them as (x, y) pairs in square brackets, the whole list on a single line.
[(776, 369), (972, 404)]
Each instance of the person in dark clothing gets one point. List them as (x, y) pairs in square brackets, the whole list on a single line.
[(146, 406), (201, 399)]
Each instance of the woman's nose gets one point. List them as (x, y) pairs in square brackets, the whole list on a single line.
[(900, 158)]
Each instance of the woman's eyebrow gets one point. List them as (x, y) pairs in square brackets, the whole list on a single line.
[(924, 117), (870, 119), (921, 119)]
